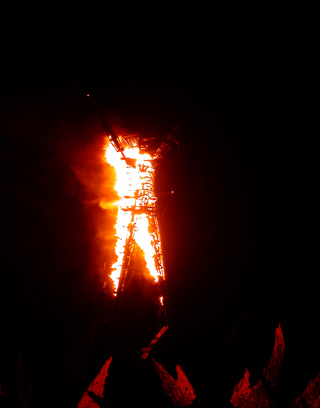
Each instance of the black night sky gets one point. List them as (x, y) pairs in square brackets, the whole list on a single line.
[(237, 261)]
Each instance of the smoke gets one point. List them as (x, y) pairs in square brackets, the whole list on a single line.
[(97, 179)]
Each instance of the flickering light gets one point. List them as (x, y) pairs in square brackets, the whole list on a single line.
[(136, 211)]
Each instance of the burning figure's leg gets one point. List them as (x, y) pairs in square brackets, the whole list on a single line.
[(128, 248), (143, 239), (124, 236)]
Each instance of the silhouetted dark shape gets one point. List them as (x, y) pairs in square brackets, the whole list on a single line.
[(310, 397), (262, 395), (180, 390), (95, 389)]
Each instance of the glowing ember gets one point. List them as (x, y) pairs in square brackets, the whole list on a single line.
[(137, 221)]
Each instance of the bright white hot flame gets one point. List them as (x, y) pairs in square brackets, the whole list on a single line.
[(136, 209)]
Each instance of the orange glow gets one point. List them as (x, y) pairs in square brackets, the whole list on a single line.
[(137, 221)]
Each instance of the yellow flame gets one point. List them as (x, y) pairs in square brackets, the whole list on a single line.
[(136, 208)]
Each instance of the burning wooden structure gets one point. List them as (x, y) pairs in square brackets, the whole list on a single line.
[(137, 223)]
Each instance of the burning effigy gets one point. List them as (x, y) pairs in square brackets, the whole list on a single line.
[(137, 215)]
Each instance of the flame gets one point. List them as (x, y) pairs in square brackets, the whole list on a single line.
[(136, 211)]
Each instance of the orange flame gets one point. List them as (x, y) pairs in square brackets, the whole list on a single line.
[(136, 207)]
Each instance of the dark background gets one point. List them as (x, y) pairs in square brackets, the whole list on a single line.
[(238, 261)]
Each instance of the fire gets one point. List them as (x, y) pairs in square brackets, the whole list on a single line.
[(137, 221)]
